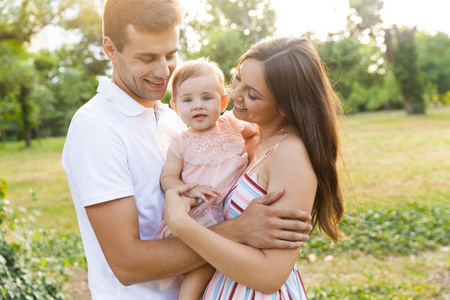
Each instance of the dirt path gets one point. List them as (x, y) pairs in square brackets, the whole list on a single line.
[(77, 286)]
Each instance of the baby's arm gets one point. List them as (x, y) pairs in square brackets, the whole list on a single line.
[(171, 173), (195, 282), (249, 130), (171, 177)]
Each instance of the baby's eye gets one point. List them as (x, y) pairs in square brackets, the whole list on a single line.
[(187, 100), (207, 98)]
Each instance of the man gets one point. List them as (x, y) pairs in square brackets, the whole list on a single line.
[(114, 154)]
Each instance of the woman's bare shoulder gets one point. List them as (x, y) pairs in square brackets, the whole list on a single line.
[(291, 146)]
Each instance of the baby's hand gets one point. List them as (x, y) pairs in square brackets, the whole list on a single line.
[(202, 193)]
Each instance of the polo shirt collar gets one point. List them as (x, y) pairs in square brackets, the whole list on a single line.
[(124, 103)]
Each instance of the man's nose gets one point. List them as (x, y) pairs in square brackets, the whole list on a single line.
[(162, 69)]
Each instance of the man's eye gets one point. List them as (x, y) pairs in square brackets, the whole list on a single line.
[(171, 56)]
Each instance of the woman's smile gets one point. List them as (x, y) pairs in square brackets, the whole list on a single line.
[(238, 106)]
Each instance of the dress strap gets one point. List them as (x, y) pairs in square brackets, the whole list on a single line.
[(267, 153)]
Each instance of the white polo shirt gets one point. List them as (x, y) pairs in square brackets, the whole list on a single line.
[(116, 148)]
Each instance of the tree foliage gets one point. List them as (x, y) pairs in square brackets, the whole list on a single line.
[(230, 28), (433, 53), (405, 68), (366, 18), (22, 276), (42, 90), (20, 20), (402, 53)]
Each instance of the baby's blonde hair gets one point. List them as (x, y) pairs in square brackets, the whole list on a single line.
[(194, 68)]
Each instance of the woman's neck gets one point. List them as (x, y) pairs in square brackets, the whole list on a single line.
[(267, 134)]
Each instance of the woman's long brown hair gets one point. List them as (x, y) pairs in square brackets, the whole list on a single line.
[(295, 75)]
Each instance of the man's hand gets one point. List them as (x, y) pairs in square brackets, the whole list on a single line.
[(265, 227)]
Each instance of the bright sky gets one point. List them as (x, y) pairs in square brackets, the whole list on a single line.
[(296, 17)]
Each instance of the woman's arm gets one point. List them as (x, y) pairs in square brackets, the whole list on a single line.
[(263, 270)]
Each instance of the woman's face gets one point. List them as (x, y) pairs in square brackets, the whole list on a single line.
[(253, 101)]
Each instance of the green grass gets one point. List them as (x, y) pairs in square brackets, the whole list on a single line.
[(359, 276), (397, 184), (395, 158), (39, 169)]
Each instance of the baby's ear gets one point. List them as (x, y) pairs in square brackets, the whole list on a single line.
[(224, 104), (174, 106)]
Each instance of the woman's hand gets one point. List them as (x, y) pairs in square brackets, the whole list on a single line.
[(177, 206)]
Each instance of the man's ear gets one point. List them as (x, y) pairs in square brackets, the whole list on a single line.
[(224, 103), (174, 106), (109, 49)]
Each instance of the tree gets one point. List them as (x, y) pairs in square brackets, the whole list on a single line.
[(366, 20), (358, 73), (433, 53), (403, 56), (20, 19), (229, 29), (37, 90)]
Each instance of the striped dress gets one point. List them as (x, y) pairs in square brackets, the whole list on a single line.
[(223, 288)]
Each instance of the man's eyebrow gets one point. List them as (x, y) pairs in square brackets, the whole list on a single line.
[(155, 54)]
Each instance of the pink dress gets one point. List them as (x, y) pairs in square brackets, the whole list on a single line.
[(214, 158)]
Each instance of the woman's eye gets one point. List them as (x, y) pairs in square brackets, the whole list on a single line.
[(251, 96)]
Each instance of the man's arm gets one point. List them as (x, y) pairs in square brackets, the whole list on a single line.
[(265, 227), (134, 260)]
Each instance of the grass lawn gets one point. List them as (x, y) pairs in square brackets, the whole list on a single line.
[(391, 159)]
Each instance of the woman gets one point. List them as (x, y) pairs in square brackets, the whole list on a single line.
[(281, 86)]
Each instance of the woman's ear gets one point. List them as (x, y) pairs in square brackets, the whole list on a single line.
[(282, 112), (109, 49), (224, 104), (174, 106)]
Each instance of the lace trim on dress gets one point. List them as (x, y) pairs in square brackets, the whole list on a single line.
[(218, 145)]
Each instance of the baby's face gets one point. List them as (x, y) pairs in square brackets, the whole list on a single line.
[(199, 103)]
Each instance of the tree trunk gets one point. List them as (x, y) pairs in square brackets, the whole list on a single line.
[(25, 115), (403, 57)]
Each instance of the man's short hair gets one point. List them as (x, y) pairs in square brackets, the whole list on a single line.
[(144, 15)]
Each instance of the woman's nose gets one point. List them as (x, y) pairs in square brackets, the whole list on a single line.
[(235, 93)]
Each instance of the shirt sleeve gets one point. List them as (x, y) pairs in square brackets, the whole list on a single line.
[(95, 159)]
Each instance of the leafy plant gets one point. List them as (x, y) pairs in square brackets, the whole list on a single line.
[(22, 276), (397, 229), (379, 290)]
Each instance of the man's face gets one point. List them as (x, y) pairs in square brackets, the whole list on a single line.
[(144, 66)]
